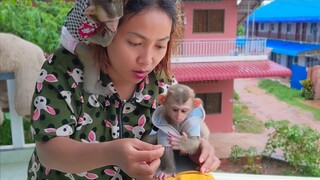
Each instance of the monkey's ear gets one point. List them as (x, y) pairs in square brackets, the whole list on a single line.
[(197, 102), (162, 98)]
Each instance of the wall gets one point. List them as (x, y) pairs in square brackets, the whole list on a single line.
[(230, 24), (218, 122)]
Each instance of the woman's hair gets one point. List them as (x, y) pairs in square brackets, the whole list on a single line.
[(133, 7)]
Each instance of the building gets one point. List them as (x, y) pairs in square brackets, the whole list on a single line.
[(211, 57), (292, 29)]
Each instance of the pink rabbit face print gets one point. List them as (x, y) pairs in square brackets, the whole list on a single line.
[(44, 76), (114, 128), (114, 173), (65, 130), (137, 130), (77, 75), (34, 168), (40, 103)]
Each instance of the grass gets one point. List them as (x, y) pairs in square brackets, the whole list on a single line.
[(5, 131), (243, 120), (288, 95)]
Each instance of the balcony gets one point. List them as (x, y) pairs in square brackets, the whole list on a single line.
[(14, 158), (218, 50), (302, 38)]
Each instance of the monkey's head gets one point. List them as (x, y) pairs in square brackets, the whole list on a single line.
[(179, 102), (107, 12)]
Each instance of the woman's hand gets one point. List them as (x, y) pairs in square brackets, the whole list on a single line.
[(135, 157), (206, 157)]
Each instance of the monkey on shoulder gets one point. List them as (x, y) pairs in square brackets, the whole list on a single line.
[(180, 120), (90, 22)]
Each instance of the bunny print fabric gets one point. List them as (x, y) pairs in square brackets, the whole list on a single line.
[(62, 108)]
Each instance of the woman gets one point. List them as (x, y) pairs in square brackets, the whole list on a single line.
[(84, 136)]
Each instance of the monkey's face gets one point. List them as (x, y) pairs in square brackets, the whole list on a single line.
[(110, 23), (178, 112)]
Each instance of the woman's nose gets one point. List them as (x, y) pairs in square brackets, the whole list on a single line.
[(146, 57)]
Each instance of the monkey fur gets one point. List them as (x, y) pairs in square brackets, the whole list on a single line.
[(180, 120), (105, 14)]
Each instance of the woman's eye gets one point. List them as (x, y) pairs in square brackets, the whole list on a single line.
[(133, 43), (160, 47)]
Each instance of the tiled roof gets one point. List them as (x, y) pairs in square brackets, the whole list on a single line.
[(208, 71)]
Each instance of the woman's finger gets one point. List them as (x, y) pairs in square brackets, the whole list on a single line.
[(148, 152), (205, 150), (147, 170)]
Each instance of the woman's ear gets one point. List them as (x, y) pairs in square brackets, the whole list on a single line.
[(162, 98), (196, 102)]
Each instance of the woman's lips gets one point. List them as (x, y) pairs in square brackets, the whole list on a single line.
[(140, 74)]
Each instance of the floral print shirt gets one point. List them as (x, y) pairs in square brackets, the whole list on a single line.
[(62, 108)]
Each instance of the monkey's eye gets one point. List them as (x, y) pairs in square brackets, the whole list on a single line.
[(175, 110)]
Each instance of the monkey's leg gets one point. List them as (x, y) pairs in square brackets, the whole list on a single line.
[(168, 165), (91, 73)]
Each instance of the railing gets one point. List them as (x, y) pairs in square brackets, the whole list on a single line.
[(187, 48), (221, 47), (16, 121), (304, 38)]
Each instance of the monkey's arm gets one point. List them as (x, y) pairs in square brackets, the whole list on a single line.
[(152, 139), (204, 131), (104, 41), (187, 145)]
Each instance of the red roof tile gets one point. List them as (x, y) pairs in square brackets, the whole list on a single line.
[(207, 71)]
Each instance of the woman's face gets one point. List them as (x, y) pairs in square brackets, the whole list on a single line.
[(139, 45)]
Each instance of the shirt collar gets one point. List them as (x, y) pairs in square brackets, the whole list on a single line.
[(145, 93)]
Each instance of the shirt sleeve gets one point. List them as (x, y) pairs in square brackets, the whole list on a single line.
[(53, 111)]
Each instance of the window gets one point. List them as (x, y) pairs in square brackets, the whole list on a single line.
[(313, 27), (262, 26), (272, 27), (288, 27), (295, 60), (211, 102), (208, 21)]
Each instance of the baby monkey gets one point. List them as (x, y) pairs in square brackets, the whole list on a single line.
[(81, 28), (180, 120)]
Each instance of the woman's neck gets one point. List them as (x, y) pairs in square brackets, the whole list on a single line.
[(125, 91)]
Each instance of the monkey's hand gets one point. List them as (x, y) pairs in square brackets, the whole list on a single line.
[(108, 36), (162, 175), (183, 143), (102, 40), (178, 142)]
